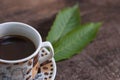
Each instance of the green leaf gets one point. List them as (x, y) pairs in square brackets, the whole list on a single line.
[(66, 20), (75, 41)]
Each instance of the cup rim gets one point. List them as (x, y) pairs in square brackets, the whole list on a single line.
[(30, 56)]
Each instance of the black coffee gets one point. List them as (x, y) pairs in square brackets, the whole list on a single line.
[(14, 47)]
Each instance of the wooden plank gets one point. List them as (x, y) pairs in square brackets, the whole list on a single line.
[(98, 61)]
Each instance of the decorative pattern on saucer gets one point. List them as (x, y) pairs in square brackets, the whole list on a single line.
[(47, 70)]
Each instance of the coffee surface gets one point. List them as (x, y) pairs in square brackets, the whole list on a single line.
[(14, 47)]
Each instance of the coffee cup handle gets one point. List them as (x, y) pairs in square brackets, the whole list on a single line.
[(46, 52)]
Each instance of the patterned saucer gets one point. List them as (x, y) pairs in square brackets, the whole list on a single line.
[(47, 71)]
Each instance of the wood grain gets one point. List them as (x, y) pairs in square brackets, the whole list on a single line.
[(100, 59)]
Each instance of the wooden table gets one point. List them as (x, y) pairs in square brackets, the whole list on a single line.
[(100, 60)]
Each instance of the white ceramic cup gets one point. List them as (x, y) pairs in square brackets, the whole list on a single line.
[(23, 69)]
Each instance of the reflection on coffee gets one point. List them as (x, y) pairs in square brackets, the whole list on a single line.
[(14, 47)]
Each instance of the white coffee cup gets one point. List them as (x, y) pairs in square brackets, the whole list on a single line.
[(23, 69)]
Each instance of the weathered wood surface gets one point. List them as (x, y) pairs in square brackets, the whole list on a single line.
[(98, 61)]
